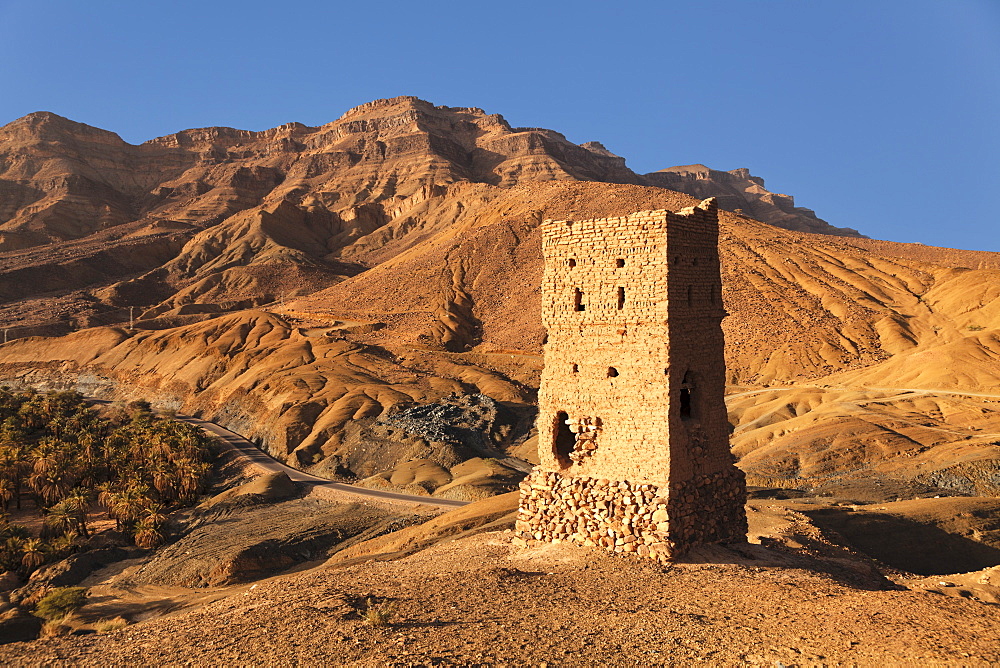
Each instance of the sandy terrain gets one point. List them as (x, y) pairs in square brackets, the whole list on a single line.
[(791, 596)]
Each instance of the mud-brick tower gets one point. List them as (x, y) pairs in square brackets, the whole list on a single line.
[(632, 427)]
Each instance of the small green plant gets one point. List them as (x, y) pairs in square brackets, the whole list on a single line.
[(378, 614), (60, 603), (975, 328), (110, 625)]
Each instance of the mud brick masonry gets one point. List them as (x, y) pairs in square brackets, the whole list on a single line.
[(633, 432)]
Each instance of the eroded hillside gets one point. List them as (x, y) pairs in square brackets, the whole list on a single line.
[(299, 284)]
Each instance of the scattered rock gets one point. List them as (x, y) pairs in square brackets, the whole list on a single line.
[(67, 572), (18, 626)]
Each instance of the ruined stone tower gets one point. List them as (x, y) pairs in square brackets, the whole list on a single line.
[(632, 428)]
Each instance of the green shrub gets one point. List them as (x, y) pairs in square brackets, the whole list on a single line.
[(975, 328), (59, 603)]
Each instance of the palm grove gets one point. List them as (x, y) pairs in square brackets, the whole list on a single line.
[(65, 457)]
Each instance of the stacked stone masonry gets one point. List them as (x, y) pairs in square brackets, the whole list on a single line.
[(633, 432)]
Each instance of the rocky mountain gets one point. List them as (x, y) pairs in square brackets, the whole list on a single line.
[(741, 192), (302, 285), (223, 218)]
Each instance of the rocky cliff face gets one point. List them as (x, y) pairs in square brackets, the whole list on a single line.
[(741, 192), (91, 225)]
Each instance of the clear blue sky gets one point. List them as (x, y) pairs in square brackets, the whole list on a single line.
[(881, 115)]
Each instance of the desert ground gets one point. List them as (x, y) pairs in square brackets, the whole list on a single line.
[(462, 592)]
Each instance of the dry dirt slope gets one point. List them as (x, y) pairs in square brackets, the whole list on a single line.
[(790, 596), (458, 312)]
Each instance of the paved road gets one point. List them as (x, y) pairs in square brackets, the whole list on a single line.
[(267, 463), (263, 461), (861, 388)]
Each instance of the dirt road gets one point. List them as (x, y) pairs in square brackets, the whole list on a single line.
[(265, 463)]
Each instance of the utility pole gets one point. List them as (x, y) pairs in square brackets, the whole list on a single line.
[(5, 335), (131, 319)]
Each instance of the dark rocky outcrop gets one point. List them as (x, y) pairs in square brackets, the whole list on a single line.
[(16, 625), (65, 573)]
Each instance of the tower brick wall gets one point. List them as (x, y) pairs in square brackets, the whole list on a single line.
[(633, 432)]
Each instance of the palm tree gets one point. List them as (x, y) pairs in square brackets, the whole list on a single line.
[(148, 535), (6, 492), (14, 466), (52, 482), (125, 505), (190, 475), (62, 546), (33, 556), (11, 553), (154, 514), (165, 481), (60, 519), (90, 455), (31, 416), (78, 504), (159, 448)]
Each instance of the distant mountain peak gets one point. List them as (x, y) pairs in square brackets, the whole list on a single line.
[(43, 122), (740, 191)]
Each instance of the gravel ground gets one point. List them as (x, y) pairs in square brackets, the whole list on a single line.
[(482, 601)]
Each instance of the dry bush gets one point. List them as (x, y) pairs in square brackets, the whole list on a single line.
[(378, 614), (110, 625), (54, 628)]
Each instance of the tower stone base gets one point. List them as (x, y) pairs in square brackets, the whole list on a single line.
[(650, 520)]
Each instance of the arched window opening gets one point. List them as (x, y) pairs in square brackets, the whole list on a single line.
[(687, 397), (612, 372), (563, 439), (621, 298), (578, 304), (571, 263), (620, 262), (575, 368)]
